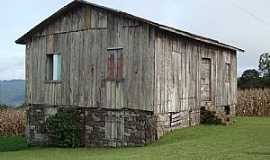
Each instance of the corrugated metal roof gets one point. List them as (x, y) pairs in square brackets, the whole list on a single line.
[(77, 3)]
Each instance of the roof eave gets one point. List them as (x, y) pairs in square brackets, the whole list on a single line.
[(200, 38), (25, 37), (20, 41)]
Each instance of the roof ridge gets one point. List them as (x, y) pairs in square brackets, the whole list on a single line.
[(22, 40)]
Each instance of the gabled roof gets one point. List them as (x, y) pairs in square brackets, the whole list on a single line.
[(78, 3)]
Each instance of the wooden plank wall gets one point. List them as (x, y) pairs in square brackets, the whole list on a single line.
[(177, 74), (82, 37), (161, 70)]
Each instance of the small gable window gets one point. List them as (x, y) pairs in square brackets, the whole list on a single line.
[(53, 69), (115, 64)]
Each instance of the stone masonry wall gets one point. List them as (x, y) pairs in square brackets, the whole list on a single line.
[(99, 127), (36, 128), (108, 127)]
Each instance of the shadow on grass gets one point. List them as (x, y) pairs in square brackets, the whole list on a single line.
[(258, 153), (12, 143)]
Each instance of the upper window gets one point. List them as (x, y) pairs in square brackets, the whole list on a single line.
[(115, 64), (53, 68), (227, 72)]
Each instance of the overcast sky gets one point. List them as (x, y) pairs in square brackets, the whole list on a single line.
[(243, 23)]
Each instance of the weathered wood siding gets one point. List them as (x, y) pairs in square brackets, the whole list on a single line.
[(161, 70), (83, 37), (178, 74), (205, 80)]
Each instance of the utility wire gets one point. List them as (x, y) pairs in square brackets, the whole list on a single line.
[(248, 12)]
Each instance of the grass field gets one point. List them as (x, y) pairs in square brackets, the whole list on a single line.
[(247, 138), (12, 144)]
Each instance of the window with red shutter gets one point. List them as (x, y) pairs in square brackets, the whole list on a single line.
[(110, 67), (115, 64)]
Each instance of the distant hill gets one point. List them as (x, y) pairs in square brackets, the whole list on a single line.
[(12, 93)]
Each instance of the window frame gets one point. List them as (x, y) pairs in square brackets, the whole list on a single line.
[(115, 64), (50, 70)]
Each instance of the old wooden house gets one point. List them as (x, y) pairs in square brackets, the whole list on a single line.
[(129, 79)]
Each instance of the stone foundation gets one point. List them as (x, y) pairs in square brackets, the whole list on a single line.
[(118, 128), (110, 127), (98, 127), (36, 128)]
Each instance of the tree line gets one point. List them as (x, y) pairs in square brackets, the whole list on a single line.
[(253, 78)]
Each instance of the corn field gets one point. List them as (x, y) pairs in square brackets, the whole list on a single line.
[(12, 122), (253, 102)]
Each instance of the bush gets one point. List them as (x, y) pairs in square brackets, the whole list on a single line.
[(210, 117), (62, 130)]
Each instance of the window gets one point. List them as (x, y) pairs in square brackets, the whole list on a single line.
[(115, 64), (53, 68), (227, 72)]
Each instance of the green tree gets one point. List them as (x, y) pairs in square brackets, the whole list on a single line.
[(250, 79), (264, 64), (250, 74)]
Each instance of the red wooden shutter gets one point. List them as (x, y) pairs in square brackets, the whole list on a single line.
[(115, 64)]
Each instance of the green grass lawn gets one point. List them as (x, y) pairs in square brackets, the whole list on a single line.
[(12, 144), (247, 138)]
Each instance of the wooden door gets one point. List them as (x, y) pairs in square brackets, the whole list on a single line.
[(206, 79), (115, 78)]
